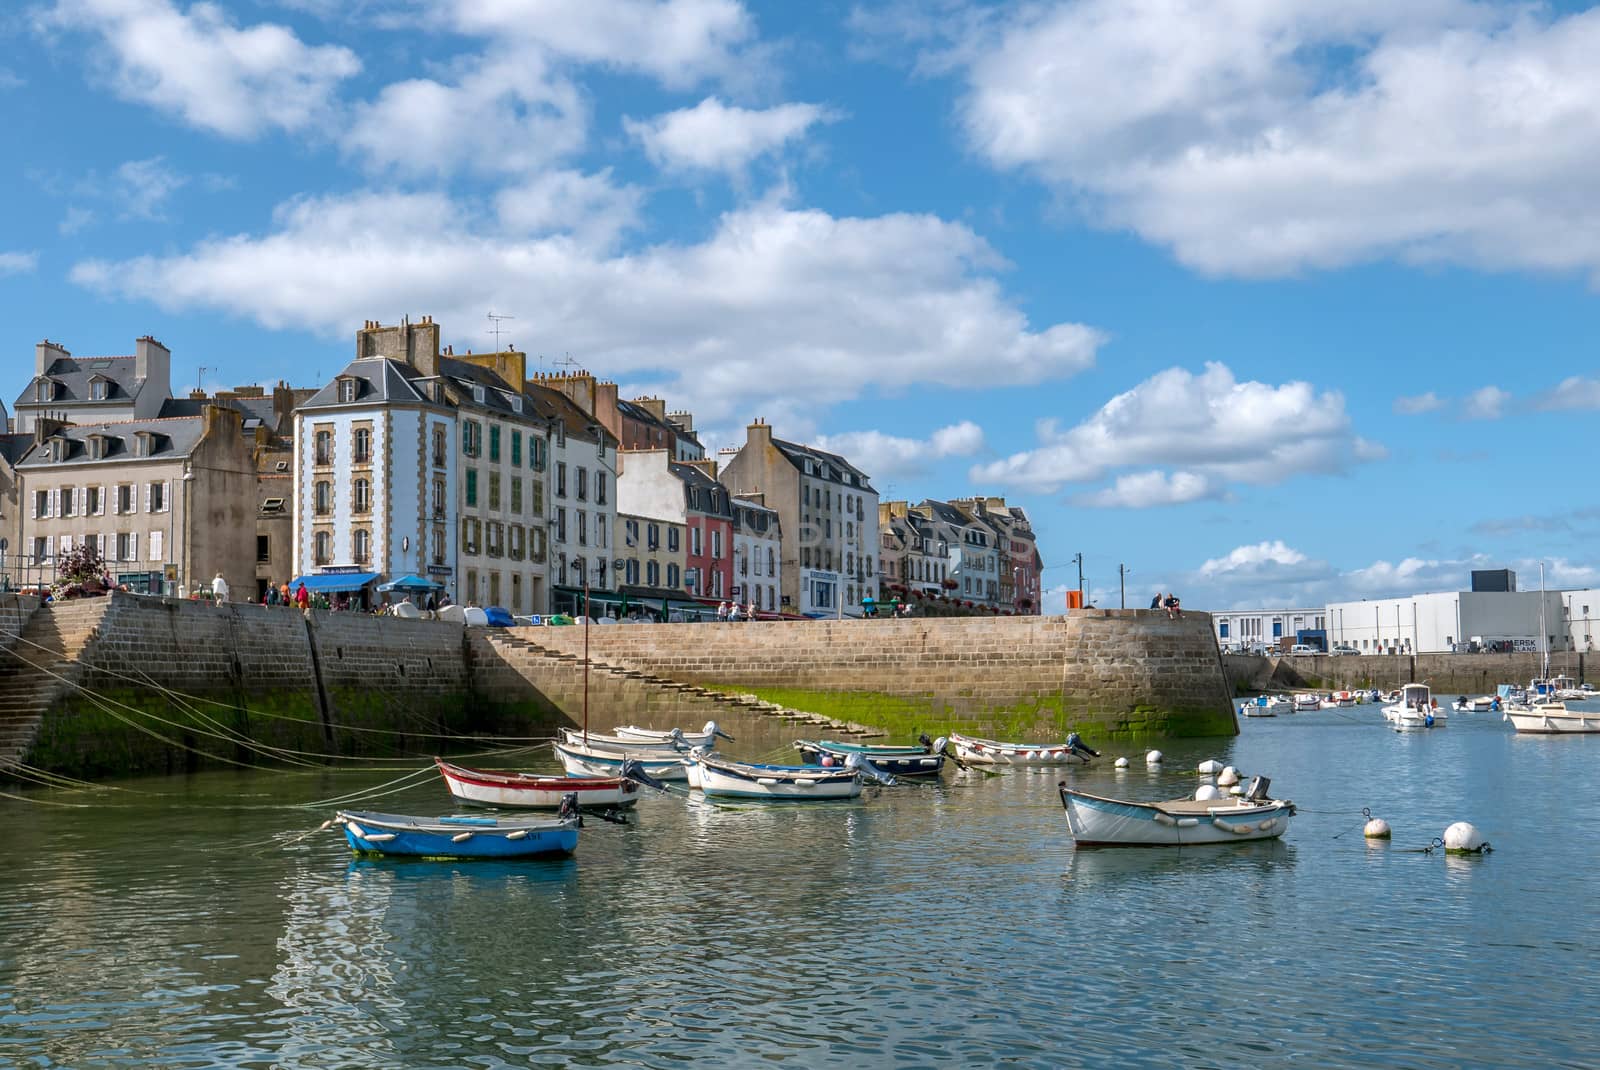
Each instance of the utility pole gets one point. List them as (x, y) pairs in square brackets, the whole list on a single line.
[(1078, 560), (1122, 581)]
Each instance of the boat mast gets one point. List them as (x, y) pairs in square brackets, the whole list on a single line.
[(586, 653), (1544, 631)]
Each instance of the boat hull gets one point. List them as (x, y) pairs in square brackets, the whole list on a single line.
[(661, 735), (790, 784), (526, 791), (1100, 822), (901, 761), (619, 745), (581, 761), (1553, 721), (400, 836), (994, 752)]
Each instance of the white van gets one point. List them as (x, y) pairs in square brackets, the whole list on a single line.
[(1304, 648)]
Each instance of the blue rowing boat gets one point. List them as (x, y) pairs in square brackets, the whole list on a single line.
[(462, 836)]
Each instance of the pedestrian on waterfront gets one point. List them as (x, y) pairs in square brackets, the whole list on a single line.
[(722, 613), (272, 594), (302, 597), (1155, 603), (734, 614), (283, 593), (219, 589), (750, 611), (1173, 611)]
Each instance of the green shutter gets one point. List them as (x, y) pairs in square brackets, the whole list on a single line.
[(494, 443), (516, 449), (472, 487)]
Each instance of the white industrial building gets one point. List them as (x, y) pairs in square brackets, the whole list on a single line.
[(1582, 617), (1246, 628), (1453, 620)]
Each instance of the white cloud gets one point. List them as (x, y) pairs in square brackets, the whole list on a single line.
[(1142, 490), (1573, 392), (506, 114), (885, 457), (1248, 558), (680, 43), (589, 207), (1419, 403), (18, 263), (775, 307), (1263, 138), (197, 65), (712, 136), (1211, 425), (1486, 403), (144, 186)]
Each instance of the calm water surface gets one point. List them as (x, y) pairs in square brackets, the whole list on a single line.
[(189, 922)]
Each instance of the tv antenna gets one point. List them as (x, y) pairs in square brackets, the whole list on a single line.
[(566, 361), (496, 319), (200, 378)]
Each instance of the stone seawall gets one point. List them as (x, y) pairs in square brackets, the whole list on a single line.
[(15, 609), (1450, 674), (1107, 673)]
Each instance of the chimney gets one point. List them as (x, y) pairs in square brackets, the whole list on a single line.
[(47, 353), (44, 427), (759, 433), (417, 344), (683, 421), (152, 363), (220, 420), (654, 406)]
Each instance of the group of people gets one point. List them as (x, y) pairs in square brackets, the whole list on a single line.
[(279, 595), (733, 613), (1169, 602)]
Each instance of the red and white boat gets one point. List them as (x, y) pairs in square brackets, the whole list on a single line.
[(533, 791)]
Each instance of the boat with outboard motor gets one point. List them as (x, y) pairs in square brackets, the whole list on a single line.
[(1096, 821), (925, 759), (612, 744), (1074, 751), (1305, 703), (580, 760), (1479, 704), (535, 791), (718, 776), (1414, 708), (462, 837)]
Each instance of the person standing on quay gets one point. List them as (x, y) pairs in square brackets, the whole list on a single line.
[(722, 613), (219, 590), (302, 598)]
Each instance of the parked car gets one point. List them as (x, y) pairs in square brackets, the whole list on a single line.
[(1342, 650), (1304, 648)]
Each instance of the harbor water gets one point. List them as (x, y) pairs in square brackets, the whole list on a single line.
[(201, 921)]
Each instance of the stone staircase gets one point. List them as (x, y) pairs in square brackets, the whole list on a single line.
[(40, 666), (514, 647)]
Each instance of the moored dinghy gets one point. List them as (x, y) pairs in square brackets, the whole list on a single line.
[(399, 835), (994, 752), (718, 776), (579, 760), (925, 759), (531, 791), (1100, 822), (707, 736)]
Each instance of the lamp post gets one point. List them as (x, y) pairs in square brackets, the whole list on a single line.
[(1122, 582), (1078, 560)]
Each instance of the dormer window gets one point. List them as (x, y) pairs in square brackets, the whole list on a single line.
[(347, 390), (477, 394), (143, 444), (99, 388), (516, 405), (45, 390), (97, 447)]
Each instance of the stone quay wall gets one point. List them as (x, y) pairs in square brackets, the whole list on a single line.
[(1450, 674), (15, 609), (1105, 673)]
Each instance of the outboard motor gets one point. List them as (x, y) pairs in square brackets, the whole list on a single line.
[(633, 769), (870, 771), (1079, 747), (569, 808), (675, 736), (1259, 786), (714, 731)]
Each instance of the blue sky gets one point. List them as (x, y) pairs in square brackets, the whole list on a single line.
[(1271, 302)]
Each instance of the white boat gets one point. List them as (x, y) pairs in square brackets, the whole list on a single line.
[(995, 752), (748, 780), (579, 760), (531, 791), (1552, 717), (1414, 708), (607, 744), (1257, 709), (1307, 703), (1100, 822), (1480, 704), (1339, 700), (707, 737)]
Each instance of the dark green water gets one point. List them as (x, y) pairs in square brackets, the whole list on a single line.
[(189, 922)]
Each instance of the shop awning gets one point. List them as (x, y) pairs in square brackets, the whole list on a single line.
[(408, 583), (339, 583)]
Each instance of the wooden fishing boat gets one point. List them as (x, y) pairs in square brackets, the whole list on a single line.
[(749, 780), (579, 760), (1100, 822), (707, 737), (617, 744), (453, 836), (994, 752), (925, 759), (530, 791), (1551, 717)]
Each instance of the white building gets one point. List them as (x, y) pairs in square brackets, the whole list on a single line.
[(757, 554), (1444, 621), (1582, 620), (90, 390), (1241, 629), (583, 505)]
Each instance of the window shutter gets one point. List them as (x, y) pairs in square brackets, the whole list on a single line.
[(33, 505), (55, 502), (147, 489), (156, 542), (65, 544), (166, 496), (102, 503), (133, 547)]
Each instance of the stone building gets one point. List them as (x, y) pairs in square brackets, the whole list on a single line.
[(652, 553), (828, 513), (640, 424), (12, 447), (912, 553), (88, 390), (971, 559), (583, 503), (1016, 553), (169, 503), (655, 486), (757, 554)]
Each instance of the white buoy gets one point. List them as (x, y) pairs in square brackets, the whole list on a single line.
[(1235, 789), (1207, 791), (1153, 758), (1210, 765), (1376, 829), (1121, 763), (1228, 777), (1463, 838)]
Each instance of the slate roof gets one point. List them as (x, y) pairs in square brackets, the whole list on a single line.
[(554, 405), (72, 376), (696, 478), (382, 380), (175, 438), (834, 468), (13, 447)]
